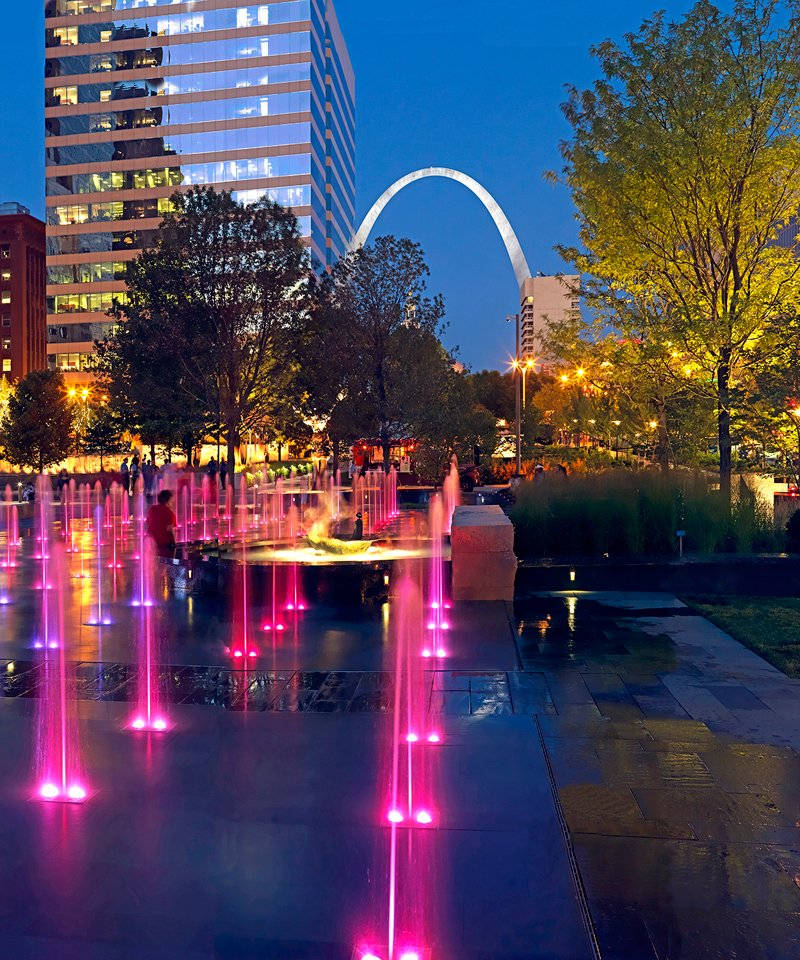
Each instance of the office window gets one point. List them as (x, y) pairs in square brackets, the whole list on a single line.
[(5, 274), (5, 296), (6, 366), (66, 36), (6, 343), (65, 95)]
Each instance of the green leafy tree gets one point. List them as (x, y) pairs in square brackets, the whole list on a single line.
[(379, 295), (37, 430), (6, 392), (684, 165), (220, 301), (103, 435), (439, 404), (333, 378), (616, 356), (496, 392)]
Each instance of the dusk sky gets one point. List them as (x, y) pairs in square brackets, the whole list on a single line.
[(458, 83)]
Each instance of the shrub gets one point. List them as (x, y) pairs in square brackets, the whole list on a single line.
[(625, 513)]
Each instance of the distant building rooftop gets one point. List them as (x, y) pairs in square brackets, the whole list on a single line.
[(10, 207)]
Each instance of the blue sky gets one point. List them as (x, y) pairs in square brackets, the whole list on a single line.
[(460, 83)]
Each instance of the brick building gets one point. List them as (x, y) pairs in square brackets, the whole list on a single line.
[(23, 329)]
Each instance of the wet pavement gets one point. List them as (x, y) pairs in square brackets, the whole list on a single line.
[(675, 754), (618, 779)]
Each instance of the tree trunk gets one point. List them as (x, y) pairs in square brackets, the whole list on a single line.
[(662, 437), (232, 444), (724, 426), (336, 444), (386, 446)]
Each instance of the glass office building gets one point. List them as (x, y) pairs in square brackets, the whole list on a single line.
[(146, 97)]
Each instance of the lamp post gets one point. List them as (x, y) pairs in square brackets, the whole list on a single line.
[(516, 365)]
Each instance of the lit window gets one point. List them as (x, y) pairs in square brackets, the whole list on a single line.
[(66, 95), (66, 36), (5, 296), (6, 366), (5, 274), (6, 343), (105, 36), (105, 96)]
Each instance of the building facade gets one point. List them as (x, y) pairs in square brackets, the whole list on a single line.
[(22, 292), (146, 97), (545, 299)]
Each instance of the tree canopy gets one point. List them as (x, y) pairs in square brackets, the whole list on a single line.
[(37, 429), (216, 315), (684, 166)]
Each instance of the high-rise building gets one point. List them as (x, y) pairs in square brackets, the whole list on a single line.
[(545, 299), (145, 97), (22, 300)]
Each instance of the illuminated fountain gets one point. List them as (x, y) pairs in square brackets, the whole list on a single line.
[(11, 523), (243, 647), (408, 805), (99, 617), (148, 713), (438, 624), (114, 526), (294, 594), (59, 775), (452, 494)]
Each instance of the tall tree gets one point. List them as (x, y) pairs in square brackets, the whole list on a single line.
[(37, 430), (379, 293), (222, 299), (103, 435), (684, 165)]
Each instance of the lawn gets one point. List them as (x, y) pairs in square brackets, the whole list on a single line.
[(768, 625)]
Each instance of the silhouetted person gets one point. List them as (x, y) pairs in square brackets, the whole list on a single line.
[(358, 528), (162, 524), (223, 472), (212, 469)]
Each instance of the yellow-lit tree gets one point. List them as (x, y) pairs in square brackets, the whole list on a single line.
[(684, 166)]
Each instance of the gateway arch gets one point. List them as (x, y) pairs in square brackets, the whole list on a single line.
[(513, 248)]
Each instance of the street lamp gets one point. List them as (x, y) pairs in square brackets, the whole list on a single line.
[(524, 366), (515, 366)]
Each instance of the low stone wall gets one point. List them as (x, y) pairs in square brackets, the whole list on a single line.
[(483, 560)]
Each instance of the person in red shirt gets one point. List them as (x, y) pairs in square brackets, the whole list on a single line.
[(162, 524)]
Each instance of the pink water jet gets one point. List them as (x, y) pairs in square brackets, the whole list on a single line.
[(295, 602), (242, 647), (409, 775), (149, 713), (59, 774), (99, 617), (437, 622), (11, 523), (452, 494)]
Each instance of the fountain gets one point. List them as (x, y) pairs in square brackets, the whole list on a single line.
[(57, 761), (437, 622), (99, 618), (149, 714), (11, 518), (242, 648), (408, 805), (452, 494)]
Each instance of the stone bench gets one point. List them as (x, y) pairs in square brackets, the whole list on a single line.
[(484, 564)]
